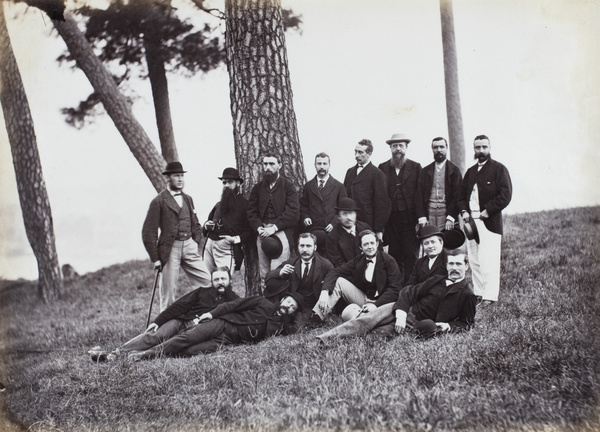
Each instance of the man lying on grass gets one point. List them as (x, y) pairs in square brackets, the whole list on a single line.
[(178, 317), (438, 305)]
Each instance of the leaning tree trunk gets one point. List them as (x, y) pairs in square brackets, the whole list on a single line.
[(114, 102), (261, 98), (453, 111), (35, 204)]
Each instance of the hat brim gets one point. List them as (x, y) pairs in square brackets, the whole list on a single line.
[(275, 249), (454, 238), (470, 230), (241, 180), (398, 140), (173, 172)]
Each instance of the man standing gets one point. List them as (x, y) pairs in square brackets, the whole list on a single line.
[(228, 226), (320, 196), (366, 185), (343, 243), (362, 280), (273, 210), (485, 191), (402, 186), (172, 212), (303, 274), (439, 184)]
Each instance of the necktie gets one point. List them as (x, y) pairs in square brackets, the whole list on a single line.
[(305, 274), (177, 194), (321, 184), (369, 270)]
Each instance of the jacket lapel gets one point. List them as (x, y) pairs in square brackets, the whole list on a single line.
[(170, 202)]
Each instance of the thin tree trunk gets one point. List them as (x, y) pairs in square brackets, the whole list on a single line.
[(114, 102), (261, 97), (453, 111), (33, 196)]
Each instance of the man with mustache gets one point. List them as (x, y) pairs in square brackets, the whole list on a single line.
[(440, 304), (343, 243), (485, 191), (438, 187), (366, 185), (402, 184), (303, 274), (172, 213), (178, 317), (273, 210), (227, 228)]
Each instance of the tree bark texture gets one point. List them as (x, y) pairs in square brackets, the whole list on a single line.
[(33, 196), (261, 99), (114, 102), (453, 111)]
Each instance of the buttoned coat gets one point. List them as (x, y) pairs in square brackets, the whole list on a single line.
[(388, 277), (421, 271), (409, 179), (319, 205), (285, 201), (163, 215), (452, 181), (495, 192), (369, 190), (457, 307), (342, 246)]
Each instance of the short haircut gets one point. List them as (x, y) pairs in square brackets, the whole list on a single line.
[(309, 235), (439, 139), (366, 233), (322, 155), (457, 252), (368, 144), (272, 155), (221, 269), (481, 137)]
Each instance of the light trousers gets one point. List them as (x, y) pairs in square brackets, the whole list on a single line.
[(484, 259), (361, 325), (218, 253), (346, 290)]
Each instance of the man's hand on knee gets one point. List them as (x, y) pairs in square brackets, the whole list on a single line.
[(323, 303), (152, 328)]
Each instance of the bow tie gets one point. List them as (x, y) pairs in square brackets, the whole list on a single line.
[(177, 194)]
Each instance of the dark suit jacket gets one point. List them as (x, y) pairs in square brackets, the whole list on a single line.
[(452, 186), (195, 303), (341, 246), (369, 190), (388, 276), (320, 267), (456, 308), (284, 198), (163, 214), (319, 205), (421, 271), (410, 181), (495, 192)]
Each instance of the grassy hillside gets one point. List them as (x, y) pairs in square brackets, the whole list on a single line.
[(531, 362)]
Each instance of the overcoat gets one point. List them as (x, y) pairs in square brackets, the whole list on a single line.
[(319, 205)]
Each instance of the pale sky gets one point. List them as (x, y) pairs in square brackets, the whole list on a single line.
[(528, 79)]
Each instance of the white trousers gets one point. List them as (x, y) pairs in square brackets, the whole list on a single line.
[(346, 290), (484, 259), (218, 253)]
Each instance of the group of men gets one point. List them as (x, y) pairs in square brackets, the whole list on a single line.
[(341, 232)]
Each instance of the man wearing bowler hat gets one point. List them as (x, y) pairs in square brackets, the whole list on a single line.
[(273, 212), (227, 228), (485, 191), (402, 187), (439, 184), (172, 212), (342, 242)]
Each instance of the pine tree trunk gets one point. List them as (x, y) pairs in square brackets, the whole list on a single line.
[(453, 111), (261, 97), (33, 197), (114, 102)]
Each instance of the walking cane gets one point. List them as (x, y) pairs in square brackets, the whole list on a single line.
[(152, 301)]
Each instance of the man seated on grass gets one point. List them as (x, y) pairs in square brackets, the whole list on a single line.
[(438, 305), (249, 320), (178, 317)]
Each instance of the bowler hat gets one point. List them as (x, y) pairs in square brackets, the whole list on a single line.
[(274, 286), (429, 231), (321, 236), (231, 174), (174, 168), (296, 296), (470, 230), (346, 204), (398, 137), (272, 246), (454, 238)]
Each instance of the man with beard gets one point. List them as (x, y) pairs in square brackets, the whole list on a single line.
[(343, 243), (178, 317), (320, 196), (440, 304), (227, 226), (245, 320), (172, 212), (485, 191), (402, 187), (366, 185), (438, 187), (303, 274)]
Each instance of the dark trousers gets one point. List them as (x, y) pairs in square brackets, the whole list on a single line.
[(402, 240)]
